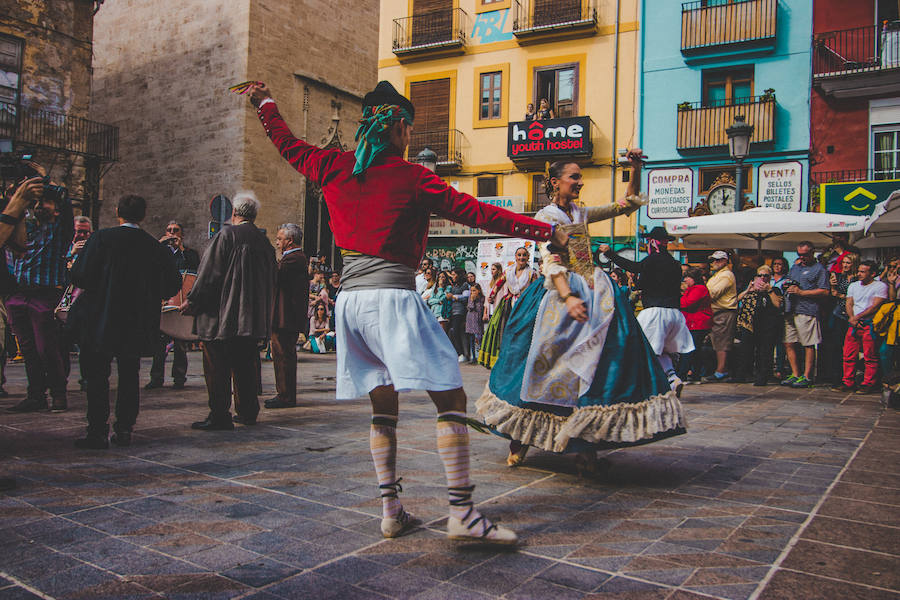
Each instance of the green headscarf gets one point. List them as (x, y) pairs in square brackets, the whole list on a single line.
[(373, 133)]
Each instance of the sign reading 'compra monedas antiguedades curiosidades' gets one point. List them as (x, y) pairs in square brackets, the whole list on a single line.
[(551, 137), (670, 193)]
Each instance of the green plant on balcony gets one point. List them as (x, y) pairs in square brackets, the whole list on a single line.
[(768, 95), (684, 107)]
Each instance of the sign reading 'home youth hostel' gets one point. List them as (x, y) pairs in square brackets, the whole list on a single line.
[(549, 138)]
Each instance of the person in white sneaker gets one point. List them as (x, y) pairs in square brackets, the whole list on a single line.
[(387, 339)]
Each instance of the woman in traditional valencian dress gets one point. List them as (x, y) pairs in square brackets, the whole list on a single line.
[(515, 280), (575, 372)]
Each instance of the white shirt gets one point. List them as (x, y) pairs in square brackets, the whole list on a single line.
[(864, 295), (420, 283)]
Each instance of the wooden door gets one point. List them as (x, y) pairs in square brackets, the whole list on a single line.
[(432, 122)]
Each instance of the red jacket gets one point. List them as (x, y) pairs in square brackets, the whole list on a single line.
[(385, 212), (696, 307)]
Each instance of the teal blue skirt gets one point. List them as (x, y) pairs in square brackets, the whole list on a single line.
[(629, 401)]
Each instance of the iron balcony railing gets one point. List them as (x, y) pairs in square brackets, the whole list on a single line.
[(702, 125), (446, 143), (850, 175), (707, 23), (439, 29), (58, 131), (540, 16), (858, 50)]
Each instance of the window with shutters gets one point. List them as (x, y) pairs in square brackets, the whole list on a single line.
[(486, 187), (551, 12), (431, 100), (539, 198), (432, 21), (10, 68)]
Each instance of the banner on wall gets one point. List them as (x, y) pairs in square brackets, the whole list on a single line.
[(500, 250), (780, 186), (670, 193)]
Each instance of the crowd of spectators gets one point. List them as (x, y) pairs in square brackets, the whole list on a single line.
[(829, 318), (459, 305)]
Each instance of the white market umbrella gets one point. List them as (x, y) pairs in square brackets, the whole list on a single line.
[(754, 228), (882, 228)]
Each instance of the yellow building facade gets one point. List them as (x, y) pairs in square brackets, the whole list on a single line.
[(471, 67)]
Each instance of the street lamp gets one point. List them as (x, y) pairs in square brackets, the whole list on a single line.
[(739, 147), (427, 158)]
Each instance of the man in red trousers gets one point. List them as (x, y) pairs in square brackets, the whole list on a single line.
[(387, 339)]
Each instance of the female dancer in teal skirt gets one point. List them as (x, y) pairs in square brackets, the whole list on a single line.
[(575, 372)]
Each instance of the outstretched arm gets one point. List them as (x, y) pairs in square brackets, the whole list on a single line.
[(446, 202), (632, 200), (311, 161)]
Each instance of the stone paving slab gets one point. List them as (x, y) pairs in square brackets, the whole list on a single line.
[(774, 493)]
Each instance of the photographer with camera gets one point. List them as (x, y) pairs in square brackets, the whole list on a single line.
[(41, 277), (187, 260), (12, 234)]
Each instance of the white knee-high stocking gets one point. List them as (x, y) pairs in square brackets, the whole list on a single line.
[(383, 444)]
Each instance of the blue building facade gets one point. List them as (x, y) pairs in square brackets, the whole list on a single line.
[(703, 64)]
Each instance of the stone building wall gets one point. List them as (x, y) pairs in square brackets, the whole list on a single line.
[(161, 73), (56, 69)]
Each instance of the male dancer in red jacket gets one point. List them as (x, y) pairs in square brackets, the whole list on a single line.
[(387, 339)]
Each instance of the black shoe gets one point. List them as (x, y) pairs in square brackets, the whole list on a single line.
[(867, 389), (3, 393), (29, 405), (760, 383), (178, 385), (208, 425), (276, 403), (122, 439), (842, 388), (153, 384), (59, 405), (92, 442), (7, 484), (243, 420)]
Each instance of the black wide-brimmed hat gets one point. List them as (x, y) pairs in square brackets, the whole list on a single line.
[(659, 233), (385, 93)]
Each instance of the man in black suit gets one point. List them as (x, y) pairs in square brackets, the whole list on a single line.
[(289, 314), (125, 274)]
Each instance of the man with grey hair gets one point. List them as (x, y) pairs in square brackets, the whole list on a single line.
[(289, 314), (232, 302)]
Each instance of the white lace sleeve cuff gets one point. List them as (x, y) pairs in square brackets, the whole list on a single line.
[(550, 266)]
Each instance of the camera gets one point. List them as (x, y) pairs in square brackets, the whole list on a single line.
[(15, 167)]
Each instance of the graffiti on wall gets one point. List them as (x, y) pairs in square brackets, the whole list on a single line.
[(449, 257), (490, 27)]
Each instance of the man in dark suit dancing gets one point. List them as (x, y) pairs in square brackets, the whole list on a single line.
[(289, 314), (125, 274)]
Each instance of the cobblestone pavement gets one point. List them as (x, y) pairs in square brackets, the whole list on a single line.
[(773, 493)]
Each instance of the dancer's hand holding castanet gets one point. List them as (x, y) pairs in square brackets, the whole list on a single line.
[(259, 92)]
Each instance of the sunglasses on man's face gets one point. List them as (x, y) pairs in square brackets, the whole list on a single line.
[(173, 229)]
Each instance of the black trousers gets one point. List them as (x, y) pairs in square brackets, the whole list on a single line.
[(97, 366), (179, 361), (458, 335), (756, 352), (693, 361), (236, 358), (284, 361)]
